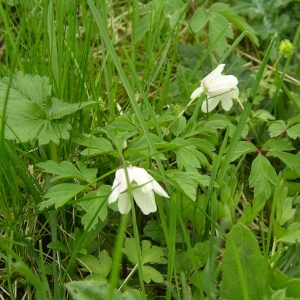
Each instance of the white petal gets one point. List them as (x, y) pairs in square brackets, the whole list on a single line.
[(211, 103), (124, 203), (143, 179), (226, 101), (114, 195), (121, 180), (158, 189), (212, 75), (221, 85), (197, 92), (145, 201)]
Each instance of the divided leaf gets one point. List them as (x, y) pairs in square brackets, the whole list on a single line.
[(262, 175), (66, 169), (60, 194), (101, 266), (150, 254), (95, 205)]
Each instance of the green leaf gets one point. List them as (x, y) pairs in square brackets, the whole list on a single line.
[(101, 266), (150, 273), (245, 272), (242, 25), (87, 290), (178, 126), (60, 109), (283, 281), (150, 254), (291, 160), (183, 181), (59, 246), (130, 250), (275, 145), (291, 235), (277, 128), (199, 19), (261, 175), (66, 169), (60, 194), (258, 203), (154, 231), (242, 148), (284, 210), (217, 25), (200, 253), (90, 174), (95, 205), (31, 113), (294, 131)]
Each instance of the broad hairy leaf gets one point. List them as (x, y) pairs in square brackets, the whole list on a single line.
[(31, 113), (245, 271)]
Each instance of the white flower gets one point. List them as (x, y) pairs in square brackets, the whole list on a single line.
[(217, 88), (142, 186)]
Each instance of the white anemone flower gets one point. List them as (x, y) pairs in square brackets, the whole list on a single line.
[(217, 87), (142, 185)]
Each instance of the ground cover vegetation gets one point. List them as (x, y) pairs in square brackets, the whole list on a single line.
[(149, 149)]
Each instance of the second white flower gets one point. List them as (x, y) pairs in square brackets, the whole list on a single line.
[(217, 87)]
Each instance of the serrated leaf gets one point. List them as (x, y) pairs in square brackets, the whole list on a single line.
[(291, 235), (31, 113), (294, 131), (245, 272), (95, 205), (185, 184), (275, 145), (291, 160), (242, 148), (199, 19), (154, 231), (64, 169), (178, 126), (152, 254), (150, 273), (91, 263), (60, 109), (261, 175), (59, 246), (186, 159), (217, 25), (96, 145), (60, 194), (90, 174), (101, 266), (277, 128)]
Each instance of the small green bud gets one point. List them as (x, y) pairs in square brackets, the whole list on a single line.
[(286, 48)]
